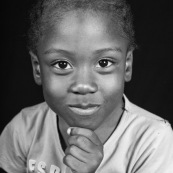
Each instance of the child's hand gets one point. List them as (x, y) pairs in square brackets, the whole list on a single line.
[(85, 151)]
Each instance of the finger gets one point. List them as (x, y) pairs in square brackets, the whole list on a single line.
[(74, 164), (85, 132), (83, 143), (78, 153)]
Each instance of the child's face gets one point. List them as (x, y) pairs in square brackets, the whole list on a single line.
[(82, 67)]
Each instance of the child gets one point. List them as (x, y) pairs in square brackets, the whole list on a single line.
[(82, 53)]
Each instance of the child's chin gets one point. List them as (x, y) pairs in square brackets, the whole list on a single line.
[(84, 124)]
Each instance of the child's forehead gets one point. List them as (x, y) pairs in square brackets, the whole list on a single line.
[(89, 20), (77, 30), (80, 20)]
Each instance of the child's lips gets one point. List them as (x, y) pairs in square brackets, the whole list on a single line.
[(84, 109)]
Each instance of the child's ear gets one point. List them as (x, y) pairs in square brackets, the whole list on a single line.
[(128, 66), (36, 68)]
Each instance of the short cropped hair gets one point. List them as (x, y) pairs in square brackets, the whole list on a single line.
[(45, 13)]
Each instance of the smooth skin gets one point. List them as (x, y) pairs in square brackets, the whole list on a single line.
[(82, 61)]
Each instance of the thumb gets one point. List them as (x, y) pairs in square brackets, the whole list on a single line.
[(91, 135)]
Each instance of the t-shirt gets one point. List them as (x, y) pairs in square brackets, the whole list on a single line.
[(141, 143)]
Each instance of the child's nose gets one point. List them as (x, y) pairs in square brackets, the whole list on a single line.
[(84, 83), (84, 88)]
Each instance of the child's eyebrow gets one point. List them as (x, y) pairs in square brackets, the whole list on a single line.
[(116, 49), (66, 52), (58, 51)]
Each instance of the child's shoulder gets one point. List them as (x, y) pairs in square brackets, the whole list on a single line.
[(34, 110), (30, 117), (144, 119), (31, 112)]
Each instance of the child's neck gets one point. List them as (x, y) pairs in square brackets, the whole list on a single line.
[(108, 127)]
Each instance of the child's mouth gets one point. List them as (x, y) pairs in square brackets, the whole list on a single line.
[(84, 110)]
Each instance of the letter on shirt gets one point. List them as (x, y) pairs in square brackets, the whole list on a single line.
[(41, 167), (32, 165), (54, 169)]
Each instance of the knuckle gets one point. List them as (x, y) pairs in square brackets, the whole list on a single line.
[(67, 159), (90, 134), (81, 140), (72, 149), (78, 139)]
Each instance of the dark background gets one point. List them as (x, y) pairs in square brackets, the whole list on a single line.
[(152, 83)]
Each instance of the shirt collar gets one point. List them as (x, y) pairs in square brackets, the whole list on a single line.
[(126, 103)]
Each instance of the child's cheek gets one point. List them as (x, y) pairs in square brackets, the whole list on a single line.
[(55, 87), (111, 85)]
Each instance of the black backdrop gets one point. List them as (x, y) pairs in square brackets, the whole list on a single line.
[(152, 83)]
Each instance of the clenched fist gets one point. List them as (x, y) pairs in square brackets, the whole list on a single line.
[(85, 151)]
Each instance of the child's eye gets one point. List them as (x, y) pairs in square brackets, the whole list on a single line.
[(63, 65), (104, 63)]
